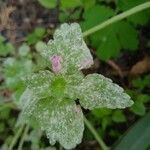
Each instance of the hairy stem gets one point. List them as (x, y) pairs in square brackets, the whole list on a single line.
[(14, 141), (23, 137), (117, 18), (95, 134)]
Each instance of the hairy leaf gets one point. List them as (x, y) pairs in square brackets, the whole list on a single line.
[(96, 91), (69, 44), (62, 121), (39, 83)]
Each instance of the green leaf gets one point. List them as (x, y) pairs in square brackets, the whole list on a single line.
[(137, 138), (138, 108), (101, 112), (69, 44), (39, 83), (70, 4), (64, 16), (142, 83), (105, 122), (44, 84), (125, 32), (62, 121), (2, 39), (97, 91), (36, 35), (138, 18), (118, 116), (24, 50), (100, 13), (109, 41), (48, 3), (39, 31), (88, 3), (40, 45), (14, 70), (109, 47), (5, 47), (145, 98)]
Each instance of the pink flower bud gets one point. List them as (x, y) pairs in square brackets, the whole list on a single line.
[(56, 63)]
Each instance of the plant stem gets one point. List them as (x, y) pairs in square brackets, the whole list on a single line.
[(95, 134), (23, 137), (117, 18), (18, 133), (60, 147)]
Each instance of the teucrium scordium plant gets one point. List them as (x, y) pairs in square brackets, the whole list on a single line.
[(49, 99)]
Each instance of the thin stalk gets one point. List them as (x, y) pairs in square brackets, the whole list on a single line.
[(14, 141), (117, 18), (23, 137), (60, 147), (96, 135)]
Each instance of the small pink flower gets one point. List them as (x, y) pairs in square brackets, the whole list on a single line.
[(56, 63)]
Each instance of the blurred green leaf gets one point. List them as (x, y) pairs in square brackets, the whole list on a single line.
[(70, 3), (88, 3), (138, 108), (39, 31), (4, 112), (141, 83), (139, 18), (36, 35), (66, 16), (5, 47), (118, 116), (114, 133), (101, 112), (144, 98), (105, 122), (24, 49), (137, 138), (48, 3)]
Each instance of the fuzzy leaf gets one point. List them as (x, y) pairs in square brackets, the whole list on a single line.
[(69, 44), (62, 121), (97, 91), (39, 83)]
